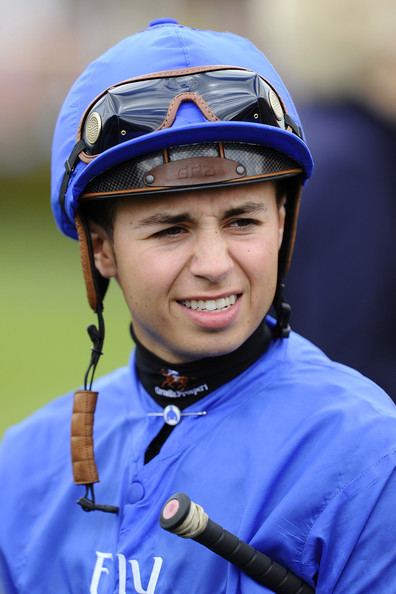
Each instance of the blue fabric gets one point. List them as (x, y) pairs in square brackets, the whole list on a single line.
[(162, 46), (343, 277), (296, 456)]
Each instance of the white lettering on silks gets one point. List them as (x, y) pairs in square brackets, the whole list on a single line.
[(137, 582), (121, 574), (100, 569)]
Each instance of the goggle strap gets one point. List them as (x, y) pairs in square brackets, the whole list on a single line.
[(293, 125), (70, 165)]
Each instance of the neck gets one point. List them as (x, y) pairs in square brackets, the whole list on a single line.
[(183, 384)]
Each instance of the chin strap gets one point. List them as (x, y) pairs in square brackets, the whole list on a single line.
[(283, 312), (82, 443), (97, 335)]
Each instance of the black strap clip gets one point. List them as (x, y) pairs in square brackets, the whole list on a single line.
[(88, 503), (283, 313), (70, 165)]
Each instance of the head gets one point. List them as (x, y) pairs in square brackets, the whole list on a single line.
[(175, 124)]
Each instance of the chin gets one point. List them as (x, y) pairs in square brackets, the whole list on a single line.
[(207, 350)]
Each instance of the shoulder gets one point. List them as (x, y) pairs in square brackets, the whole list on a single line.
[(303, 366), (309, 399), (298, 378)]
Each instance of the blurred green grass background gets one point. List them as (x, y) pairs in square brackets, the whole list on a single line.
[(44, 313)]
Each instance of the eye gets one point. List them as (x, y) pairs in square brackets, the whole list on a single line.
[(174, 231), (244, 223)]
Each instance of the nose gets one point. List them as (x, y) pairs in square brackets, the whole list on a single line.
[(211, 258)]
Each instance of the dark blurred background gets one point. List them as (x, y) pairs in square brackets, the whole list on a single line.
[(328, 55)]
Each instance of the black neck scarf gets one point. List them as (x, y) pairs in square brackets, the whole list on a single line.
[(184, 384)]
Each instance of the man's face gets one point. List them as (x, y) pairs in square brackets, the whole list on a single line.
[(198, 269)]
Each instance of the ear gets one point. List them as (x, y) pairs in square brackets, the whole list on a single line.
[(103, 251), (281, 219)]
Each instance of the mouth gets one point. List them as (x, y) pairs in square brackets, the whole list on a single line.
[(210, 305)]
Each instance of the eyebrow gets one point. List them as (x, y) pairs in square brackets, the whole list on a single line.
[(246, 208), (163, 218)]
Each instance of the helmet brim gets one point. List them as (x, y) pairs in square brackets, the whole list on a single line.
[(266, 136)]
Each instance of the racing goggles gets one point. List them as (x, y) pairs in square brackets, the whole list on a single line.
[(137, 107)]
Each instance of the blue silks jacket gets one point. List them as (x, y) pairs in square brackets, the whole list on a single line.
[(296, 456)]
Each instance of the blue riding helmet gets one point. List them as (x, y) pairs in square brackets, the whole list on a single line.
[(191, 60)]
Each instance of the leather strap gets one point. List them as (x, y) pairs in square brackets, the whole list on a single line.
[(82, 446), (194, 170), (96, 285)]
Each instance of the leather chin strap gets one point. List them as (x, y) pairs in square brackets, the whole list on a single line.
[(281, 307), (96, 285), (293, 201), (82, 445)]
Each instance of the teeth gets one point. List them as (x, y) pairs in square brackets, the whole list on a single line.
[(210, 304)]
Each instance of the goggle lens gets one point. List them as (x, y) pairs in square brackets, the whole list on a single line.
[(135, 108)]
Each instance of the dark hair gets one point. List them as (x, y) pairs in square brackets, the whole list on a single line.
[(101, 212)]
